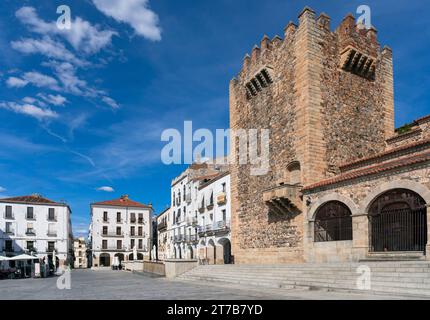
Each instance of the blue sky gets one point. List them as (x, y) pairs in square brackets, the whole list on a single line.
[(85, 109)]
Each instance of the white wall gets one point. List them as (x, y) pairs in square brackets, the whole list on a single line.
[(97, 228), (62, 226)]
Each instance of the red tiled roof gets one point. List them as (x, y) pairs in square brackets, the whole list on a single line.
[(31, 199), (373, 169), (124, 201), (423, 119), (386, 153)]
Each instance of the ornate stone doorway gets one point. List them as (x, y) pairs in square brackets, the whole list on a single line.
[(398, 222)]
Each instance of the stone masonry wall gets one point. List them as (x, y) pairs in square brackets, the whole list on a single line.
[(317, 114)]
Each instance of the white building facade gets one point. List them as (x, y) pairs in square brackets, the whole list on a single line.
[(214, 220), (190, 236), (164, 233), (121, 230), (36, 225), (80, 250)]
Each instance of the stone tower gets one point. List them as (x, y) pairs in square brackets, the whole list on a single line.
[(327, 98)]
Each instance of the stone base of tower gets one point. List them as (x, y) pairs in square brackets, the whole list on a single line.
[(268, 256)]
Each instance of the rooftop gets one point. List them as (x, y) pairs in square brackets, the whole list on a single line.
[(31, 199), (123, 201)]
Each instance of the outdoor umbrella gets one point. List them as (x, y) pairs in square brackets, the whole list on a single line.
[(134, 253), (23, 257)]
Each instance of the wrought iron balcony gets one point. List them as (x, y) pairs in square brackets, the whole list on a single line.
[(51, 218), (179, 238), (191, 238), (8, 249), (188, 198), (9, 216), (192, 221), (112, 234), (51, 233), (30, 232), (113, 248), (284, 199), (162, 226)]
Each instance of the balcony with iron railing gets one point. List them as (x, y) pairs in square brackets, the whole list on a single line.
[(188, 198), (179, 238), (113, 248), (51, 233), (162, 226), (214, 228), (191, 238), (30, 232), (105, 220), (113, 234), (8, 249), (51, 218), (50, 249), (191, 221), (9, 215), (202, 207), (10, 232), (210, 203)]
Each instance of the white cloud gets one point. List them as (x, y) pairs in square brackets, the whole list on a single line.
[(29, 110), (82, 36), (66, 73), (136, 13), (41, 80), (106, 189), (47, 47), (2, 189), (35, 78), (56, 100), (14, 82), (110, 102)]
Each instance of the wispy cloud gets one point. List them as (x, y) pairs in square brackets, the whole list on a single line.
[(83, 36), (2, 189), (47, 47), (56, 100), (29, 110), (14, 82), (35, 78), (106, 189), (136, 13)]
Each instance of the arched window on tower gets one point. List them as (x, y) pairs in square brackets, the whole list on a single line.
[(294, 173), (333, 222)]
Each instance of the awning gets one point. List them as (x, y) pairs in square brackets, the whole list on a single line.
[(4, 258), (23, 257)]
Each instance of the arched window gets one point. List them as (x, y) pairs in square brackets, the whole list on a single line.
[(294, 173), (333, 222), (398, 222)]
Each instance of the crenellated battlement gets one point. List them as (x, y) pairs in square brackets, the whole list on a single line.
[(348, 36)]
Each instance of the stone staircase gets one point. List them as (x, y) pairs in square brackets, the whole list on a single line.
[(405, 278)]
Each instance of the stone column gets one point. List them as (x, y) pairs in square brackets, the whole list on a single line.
[(360, 236)]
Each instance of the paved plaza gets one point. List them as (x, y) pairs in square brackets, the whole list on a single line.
[(94, 285)]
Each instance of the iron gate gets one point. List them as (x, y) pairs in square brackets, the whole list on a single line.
[(398, 230)]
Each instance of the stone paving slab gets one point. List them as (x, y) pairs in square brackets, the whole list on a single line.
[(121, 285)]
